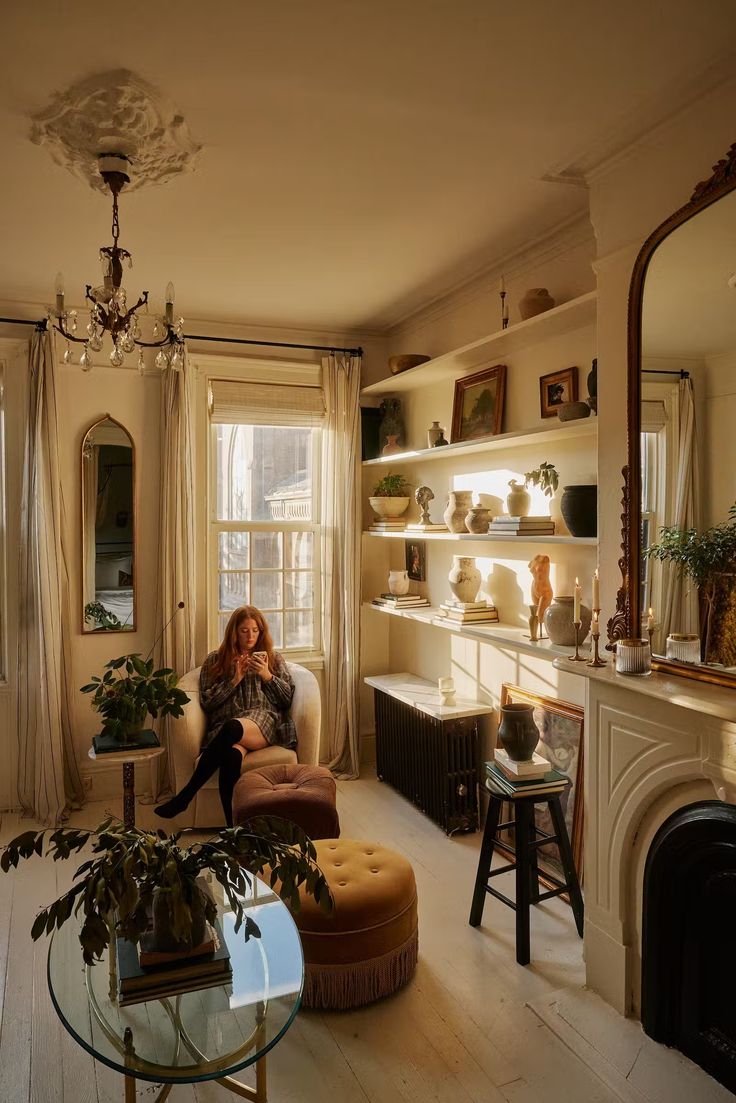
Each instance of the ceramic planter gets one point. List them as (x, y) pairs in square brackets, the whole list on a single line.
[(517, 732), (389, 507), (579, 508)]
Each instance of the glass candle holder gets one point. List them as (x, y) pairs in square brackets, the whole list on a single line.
[(633, 657), (683, 647)]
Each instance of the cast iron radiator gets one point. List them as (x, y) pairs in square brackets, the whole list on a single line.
[(432, 762)]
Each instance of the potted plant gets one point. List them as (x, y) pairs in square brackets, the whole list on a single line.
[(709, 559), (139, 882), (390, 496), (518, 500)]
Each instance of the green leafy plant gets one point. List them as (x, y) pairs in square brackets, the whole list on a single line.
[(545, 477), (391, 486), (129, 690), (133, 873), (96, 611)]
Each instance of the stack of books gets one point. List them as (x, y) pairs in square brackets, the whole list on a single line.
[(522, 526), (406, 601), (468, 612), (395, 525), (152, 975), (136, 741), (503, 778)]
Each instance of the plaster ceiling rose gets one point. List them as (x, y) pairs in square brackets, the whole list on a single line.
[(116, 112)]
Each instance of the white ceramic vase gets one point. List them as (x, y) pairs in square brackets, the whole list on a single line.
[(464, 577), (398, 583), (458, 504), (518, 500)]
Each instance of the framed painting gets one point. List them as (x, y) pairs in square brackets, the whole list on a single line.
[(561, 743), (477, 411), (416, 560), (556, 389)]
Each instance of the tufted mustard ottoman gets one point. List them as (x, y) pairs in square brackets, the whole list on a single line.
[(368, 947), (300, 793)]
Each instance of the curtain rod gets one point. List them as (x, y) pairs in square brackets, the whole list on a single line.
[(663, 371), (43, 323)]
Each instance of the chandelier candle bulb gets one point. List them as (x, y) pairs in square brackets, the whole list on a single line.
[(59, 289), (169, 302)]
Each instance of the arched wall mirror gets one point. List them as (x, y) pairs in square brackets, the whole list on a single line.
[(679, 538), (108, 528)]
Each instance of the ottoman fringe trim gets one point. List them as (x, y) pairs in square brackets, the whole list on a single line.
[(339, 987)]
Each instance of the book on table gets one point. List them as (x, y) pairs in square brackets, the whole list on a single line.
[(137, 741), (535, 767), (403, 599), (552, 782), (137, 982)]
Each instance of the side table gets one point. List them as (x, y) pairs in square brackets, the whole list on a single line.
[(128, 758)]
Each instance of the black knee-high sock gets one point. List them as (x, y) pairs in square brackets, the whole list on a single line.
[(230, 767), (211, 759)]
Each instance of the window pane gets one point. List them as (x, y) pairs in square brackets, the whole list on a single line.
[(222, 624), (266, 589), (266, 549), (298, 590), (234, 590), (263, 472), (233, 551), (298, 549), (299, 630), (276, 624)]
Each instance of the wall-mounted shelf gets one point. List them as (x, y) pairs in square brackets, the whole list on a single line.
[(505, 636), (552, 323), (542, 434), (413, 534)]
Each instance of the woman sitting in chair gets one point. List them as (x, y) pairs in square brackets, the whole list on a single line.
[(245, 690)]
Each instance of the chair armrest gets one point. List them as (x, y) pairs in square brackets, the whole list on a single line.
[(306, 712)]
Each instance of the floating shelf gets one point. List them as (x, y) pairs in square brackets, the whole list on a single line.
[(489, 538), (561, 319), (500, 635), (542, 434)]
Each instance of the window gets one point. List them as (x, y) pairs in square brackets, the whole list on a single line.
[(266, 531)]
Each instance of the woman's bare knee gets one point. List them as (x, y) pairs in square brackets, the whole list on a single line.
[(253, 738)]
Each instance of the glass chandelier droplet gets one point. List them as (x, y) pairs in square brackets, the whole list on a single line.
[(85, 360), (68, 355), (141, 363), (128, 343), (95, 341), (177, 360), (161, 360), (116, 357)]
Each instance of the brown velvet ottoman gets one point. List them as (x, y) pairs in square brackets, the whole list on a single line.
[(303, 794), (368, 947)]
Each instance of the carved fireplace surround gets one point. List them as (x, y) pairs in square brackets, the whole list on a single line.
[(653, 746)]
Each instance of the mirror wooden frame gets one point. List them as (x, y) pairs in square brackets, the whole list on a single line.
[(626, 621), (134, 626)]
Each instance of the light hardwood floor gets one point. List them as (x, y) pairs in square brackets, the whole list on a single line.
[(461, 1032)]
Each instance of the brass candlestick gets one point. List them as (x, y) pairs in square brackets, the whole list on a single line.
[(504, 315), (577, 657), (596, 632)]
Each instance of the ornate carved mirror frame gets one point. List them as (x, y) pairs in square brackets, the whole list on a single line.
[(626, 621)]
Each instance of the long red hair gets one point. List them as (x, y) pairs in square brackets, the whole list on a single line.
[(227, 652)]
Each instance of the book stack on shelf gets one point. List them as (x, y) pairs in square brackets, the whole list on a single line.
[(468, 612), (534, 777), (152, 975), (405, 601), (395, 524), (522, 526)]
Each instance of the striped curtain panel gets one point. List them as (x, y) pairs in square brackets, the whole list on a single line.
[(341, 561), (48, 774), (176, 580)]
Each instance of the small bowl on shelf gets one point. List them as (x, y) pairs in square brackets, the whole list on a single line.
[(398, 364), (573, 411)]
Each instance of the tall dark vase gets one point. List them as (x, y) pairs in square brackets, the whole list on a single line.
[(517, 732), (579, 508)]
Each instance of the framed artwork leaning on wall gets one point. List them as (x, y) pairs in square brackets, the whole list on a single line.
[(416, 560), (560, 727)]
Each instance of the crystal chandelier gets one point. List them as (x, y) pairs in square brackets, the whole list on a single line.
[(109, 311)]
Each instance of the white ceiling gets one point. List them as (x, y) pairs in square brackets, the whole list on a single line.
[(359, 159)]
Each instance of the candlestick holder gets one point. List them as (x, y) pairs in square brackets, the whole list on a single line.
[(504, 315), (596, 632), (650, 633), (577, 657)]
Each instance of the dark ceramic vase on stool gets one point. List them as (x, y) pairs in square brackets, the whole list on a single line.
[(517, 732)]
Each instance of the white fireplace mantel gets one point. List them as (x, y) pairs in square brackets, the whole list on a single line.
[(652, 746)]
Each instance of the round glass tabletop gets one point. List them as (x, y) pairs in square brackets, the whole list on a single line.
[(195, 1035)]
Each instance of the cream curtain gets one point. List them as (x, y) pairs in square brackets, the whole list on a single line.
[(48, 774), (341, 561), (176, 579), (680, 595)]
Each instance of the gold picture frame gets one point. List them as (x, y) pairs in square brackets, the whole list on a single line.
[(477, 410)]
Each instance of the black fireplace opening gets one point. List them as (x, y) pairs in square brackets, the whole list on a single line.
[(689, 925)]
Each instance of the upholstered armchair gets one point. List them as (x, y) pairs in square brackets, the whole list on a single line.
[(187, 732)]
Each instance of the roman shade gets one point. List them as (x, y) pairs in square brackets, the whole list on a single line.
[(234, 402)]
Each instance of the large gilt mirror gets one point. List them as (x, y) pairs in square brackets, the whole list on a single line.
[(679, 562), (108, 528)]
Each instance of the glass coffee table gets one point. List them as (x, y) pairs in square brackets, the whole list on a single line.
[(202, 1035)]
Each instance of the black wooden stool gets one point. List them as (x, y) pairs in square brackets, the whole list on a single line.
[(527, 871)]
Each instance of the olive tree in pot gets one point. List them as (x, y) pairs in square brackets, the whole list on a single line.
[(142, 882), (390, 496)]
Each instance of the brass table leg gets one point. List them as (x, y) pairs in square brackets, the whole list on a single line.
[(129, 795)]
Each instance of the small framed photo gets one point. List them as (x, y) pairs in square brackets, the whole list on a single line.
[(556, 389), (416, 561), (561, 743), (477, 411)]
